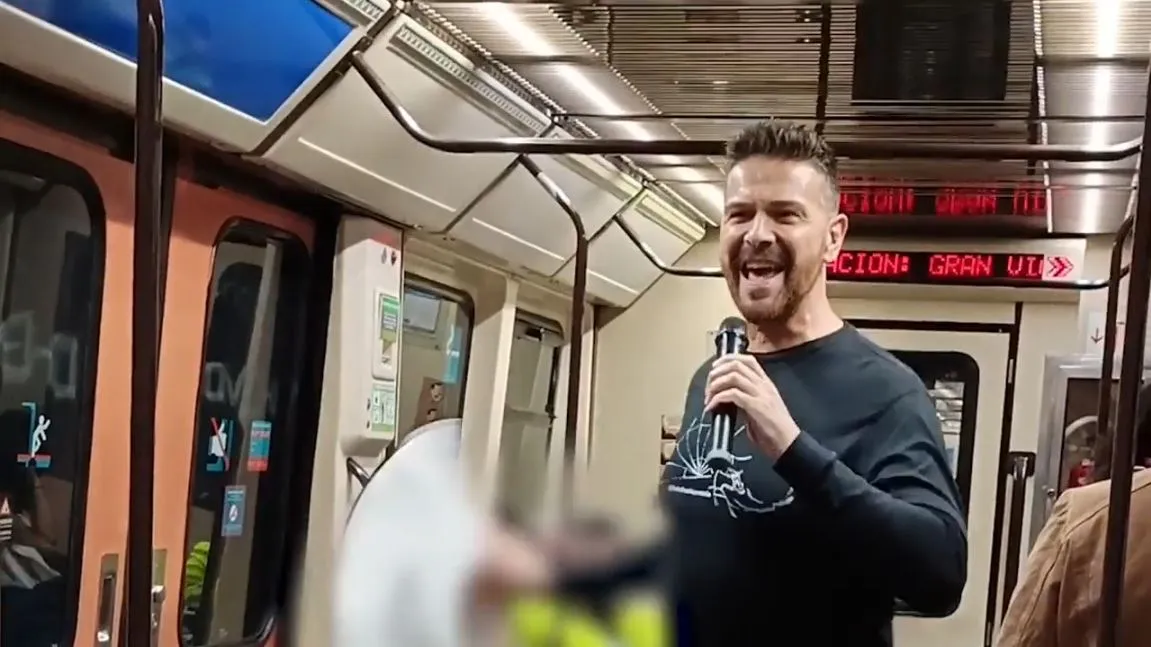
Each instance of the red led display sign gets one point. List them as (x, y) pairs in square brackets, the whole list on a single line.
[(944, 267), (943, 201)]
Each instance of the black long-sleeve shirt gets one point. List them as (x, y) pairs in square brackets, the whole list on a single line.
[(861, 510), (814, 548)]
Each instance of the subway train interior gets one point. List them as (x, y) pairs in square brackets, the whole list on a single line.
[(383, 178)]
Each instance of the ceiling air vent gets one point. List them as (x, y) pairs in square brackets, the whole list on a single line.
[(931, 50), (712, 15)]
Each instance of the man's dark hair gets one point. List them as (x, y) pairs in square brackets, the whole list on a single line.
[(785, 140), (1105, 440)]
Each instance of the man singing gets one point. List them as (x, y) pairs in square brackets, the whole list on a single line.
[(836, 497)]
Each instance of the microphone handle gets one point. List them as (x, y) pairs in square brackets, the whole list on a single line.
[(723, 428)]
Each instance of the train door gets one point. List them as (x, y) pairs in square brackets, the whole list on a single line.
[(231, 357), (65, 294), (1068, 432), (964, 367), (529, 414)]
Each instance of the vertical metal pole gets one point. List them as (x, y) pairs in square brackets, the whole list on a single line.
[(575, 326), (1130, 378), (1110, 328), (575, 367), (145, 322)]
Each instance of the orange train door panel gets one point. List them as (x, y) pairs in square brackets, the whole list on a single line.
[(65, 319), (230, 361)]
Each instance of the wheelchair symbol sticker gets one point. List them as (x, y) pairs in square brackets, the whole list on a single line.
[(233, 525)]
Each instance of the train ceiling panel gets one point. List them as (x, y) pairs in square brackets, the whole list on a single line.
[(519, 220), (344, 139), (617, 270), (349, 143), (488, 201), (989, 71), (1093, 61), (535, 46)]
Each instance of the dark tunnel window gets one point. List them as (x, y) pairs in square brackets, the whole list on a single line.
[(51, 225), (245, 429)]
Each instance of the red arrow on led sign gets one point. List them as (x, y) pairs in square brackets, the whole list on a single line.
[(1059, 266)]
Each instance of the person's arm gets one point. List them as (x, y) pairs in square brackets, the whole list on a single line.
[(904, 517), (510, 564), (1032, 618), (639, 566)]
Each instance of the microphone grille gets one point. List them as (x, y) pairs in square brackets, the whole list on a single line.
[(733, 323)]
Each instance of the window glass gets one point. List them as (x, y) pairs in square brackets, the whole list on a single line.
[(1081, 438), (529, 414), (50, 296), (245, 430), (952, 380), (433, 354)]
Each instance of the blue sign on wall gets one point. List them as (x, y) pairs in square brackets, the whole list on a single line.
[(250, 56)]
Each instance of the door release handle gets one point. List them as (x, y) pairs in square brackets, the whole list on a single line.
[(158, 596), (106, 600), (159, 592)]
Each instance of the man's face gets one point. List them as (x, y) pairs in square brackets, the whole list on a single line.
[(780, 227)]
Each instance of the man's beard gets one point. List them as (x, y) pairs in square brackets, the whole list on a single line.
[(798, 282)]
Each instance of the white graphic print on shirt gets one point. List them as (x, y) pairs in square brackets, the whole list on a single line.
[(698, 470)]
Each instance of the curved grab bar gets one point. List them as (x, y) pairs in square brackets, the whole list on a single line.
[(1110, 323), (357, 471), (704, 147), (575, 326)]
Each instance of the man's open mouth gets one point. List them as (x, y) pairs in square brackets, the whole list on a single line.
[(759, 269)]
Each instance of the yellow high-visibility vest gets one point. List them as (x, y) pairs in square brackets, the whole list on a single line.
[(541, 622)]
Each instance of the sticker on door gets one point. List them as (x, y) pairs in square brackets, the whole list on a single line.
[(233, 525), (259, 446), (219, 446), (38, 425)]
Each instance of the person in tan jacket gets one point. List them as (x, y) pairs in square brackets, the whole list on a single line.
[(1057, 601)]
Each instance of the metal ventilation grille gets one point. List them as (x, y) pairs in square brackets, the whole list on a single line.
[(931, 50), (796, 60), (765, 61)]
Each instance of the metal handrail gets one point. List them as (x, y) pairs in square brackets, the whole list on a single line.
[(357, 471), (146, 317), (1137, 298), (1110, 325), (850, 149), (892, 118), (1127, 409)]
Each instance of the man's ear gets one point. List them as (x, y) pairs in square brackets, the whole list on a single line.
[(836, 234)]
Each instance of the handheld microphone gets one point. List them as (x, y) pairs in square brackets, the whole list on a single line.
[(731, 340)]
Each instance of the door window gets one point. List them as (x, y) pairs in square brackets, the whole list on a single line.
[(952, 380), (1081, 438), (433, 354), (529, 414), (244, 436), (51, 262)]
